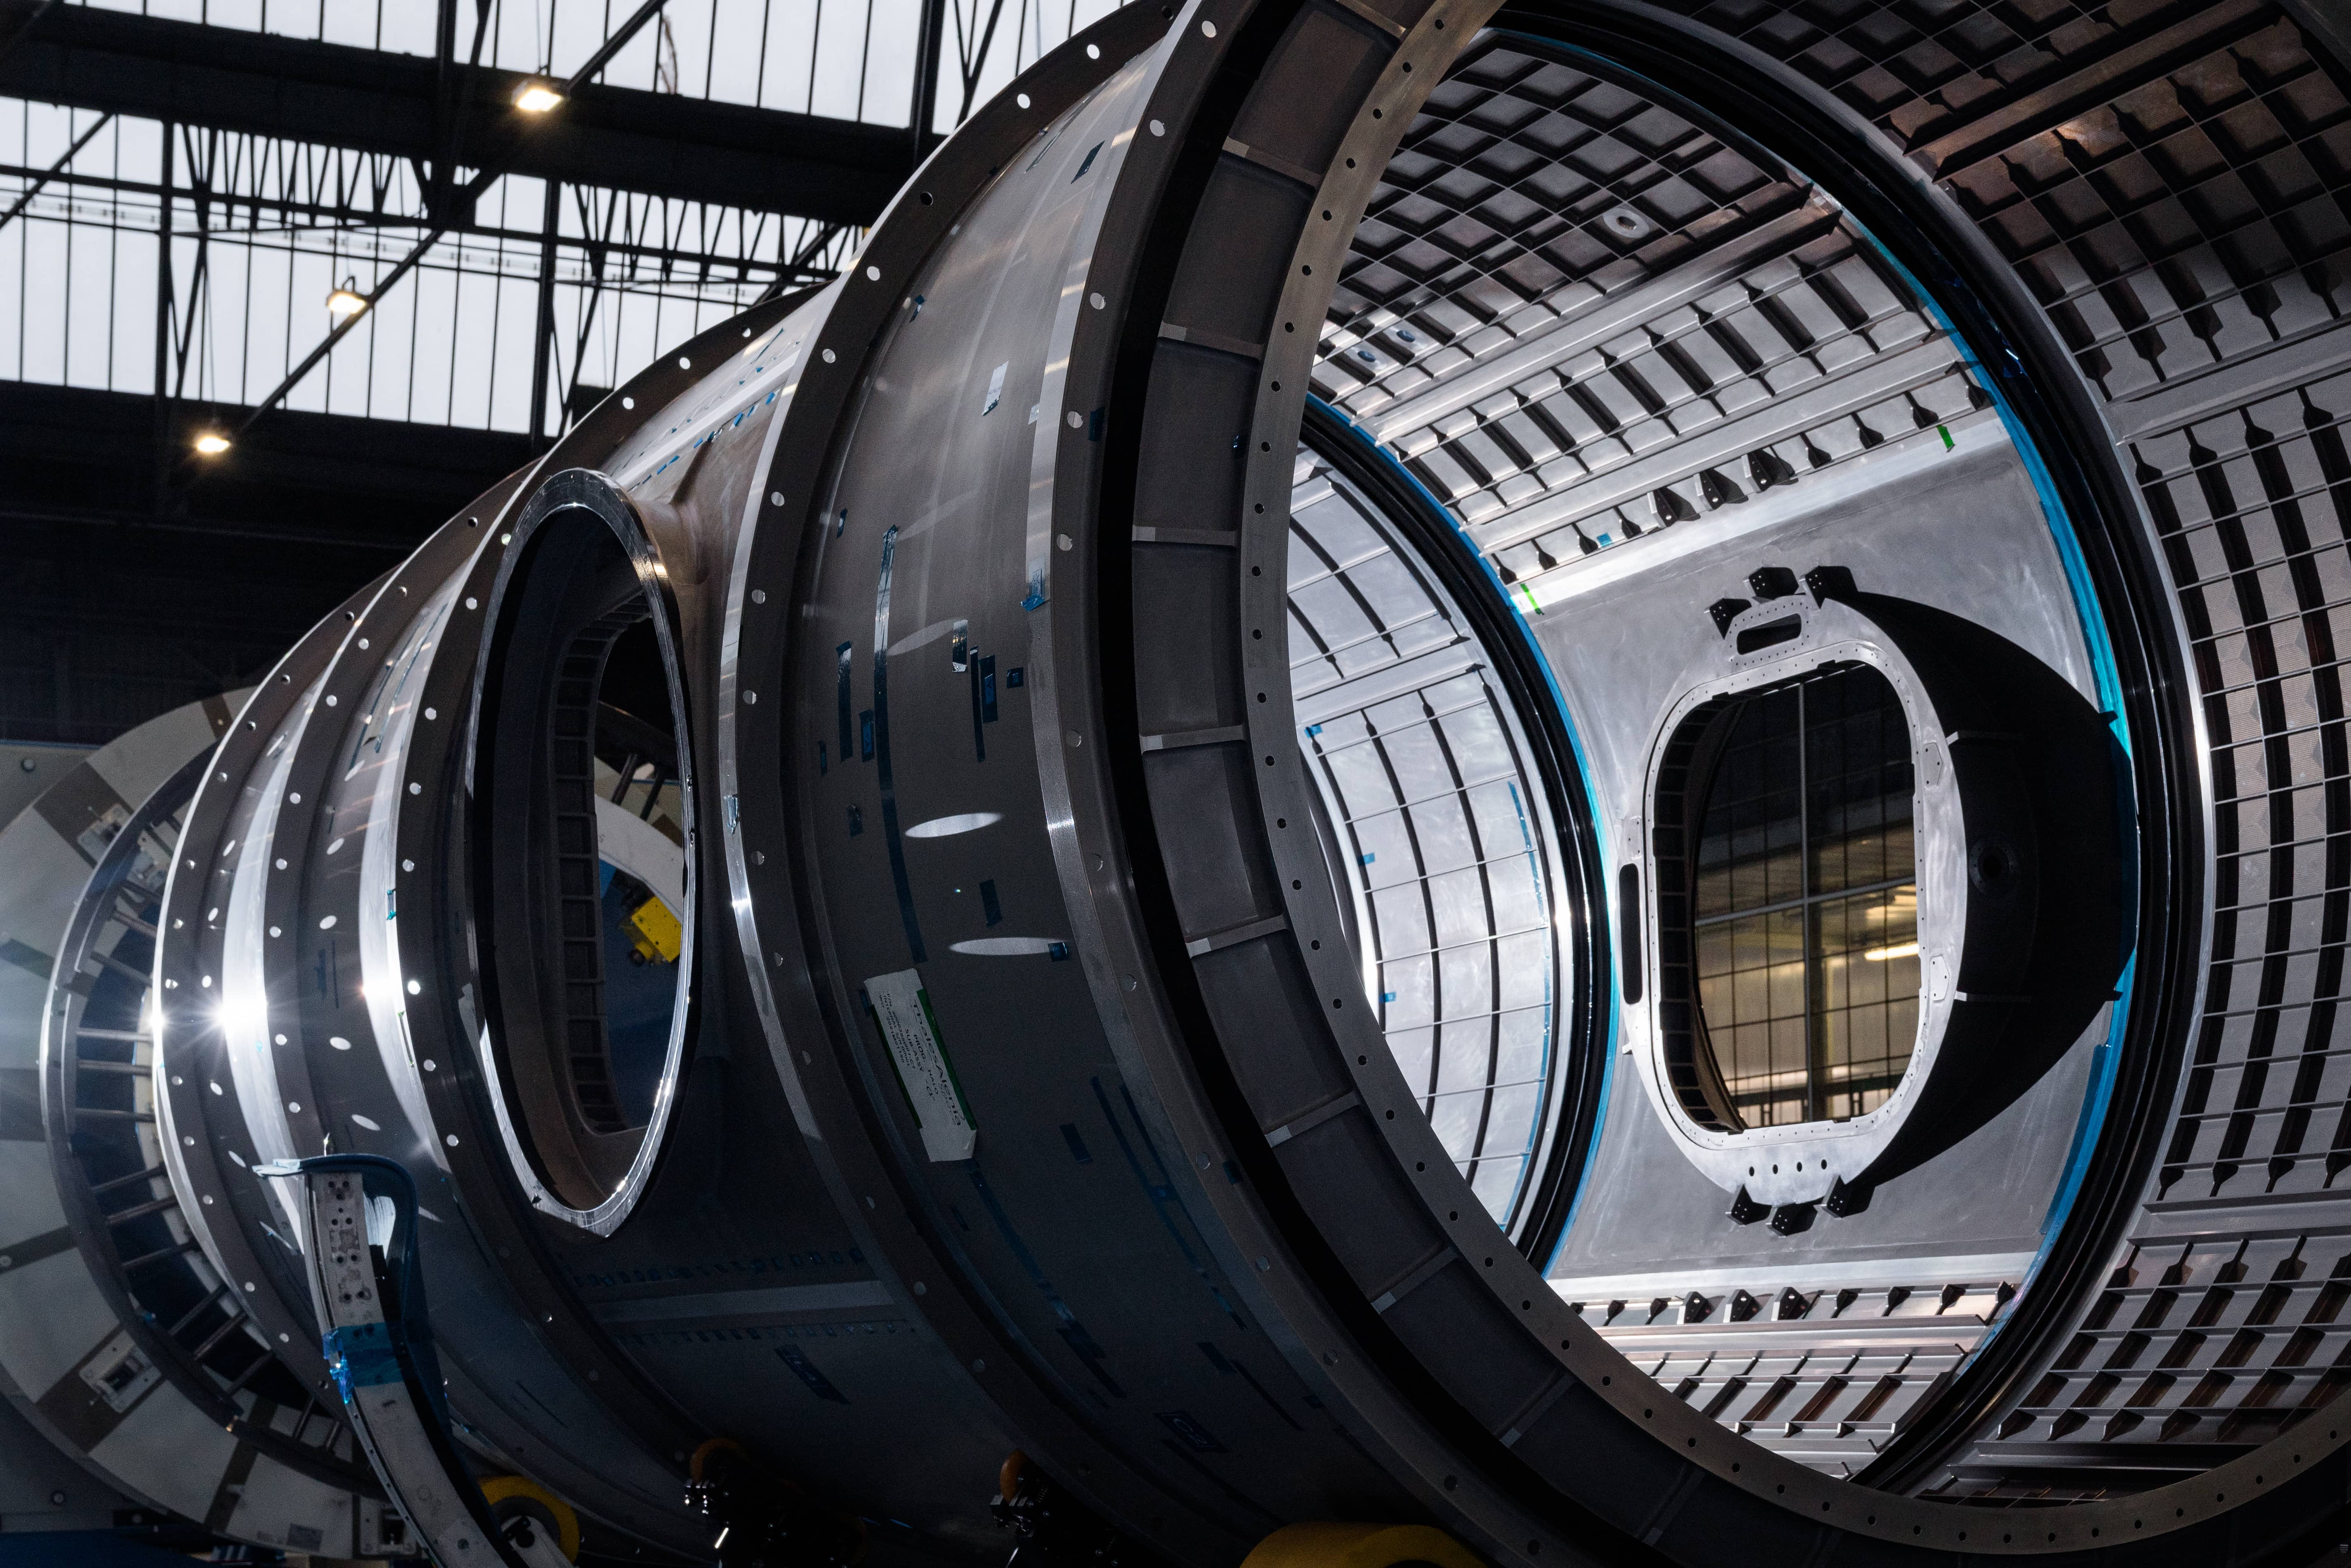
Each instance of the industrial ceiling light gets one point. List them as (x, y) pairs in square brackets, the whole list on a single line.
[(211, 444), (346, 300), (537, 96)]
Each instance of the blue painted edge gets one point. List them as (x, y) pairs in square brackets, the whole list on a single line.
[(2107, 676), (1592, 797), (361, 1355), (2089, 614)]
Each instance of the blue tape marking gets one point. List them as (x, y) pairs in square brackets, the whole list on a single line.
[(2107, 676), (361, 1355)]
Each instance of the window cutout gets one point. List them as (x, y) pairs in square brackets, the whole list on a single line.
[(1803, 900)]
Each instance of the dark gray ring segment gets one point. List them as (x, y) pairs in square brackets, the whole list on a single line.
[(94, 1221), (1649, 1503), (120, 1346), (1031, 1097), (1582, 1040), (1444, 1333), (546, 1269)]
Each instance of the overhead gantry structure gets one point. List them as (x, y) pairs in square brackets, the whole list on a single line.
[(1570, 776)]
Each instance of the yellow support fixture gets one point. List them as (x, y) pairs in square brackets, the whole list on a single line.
[(658, 933), (510, 1495), (1334, 1546)]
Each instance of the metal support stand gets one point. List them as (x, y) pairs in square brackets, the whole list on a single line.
[(1050, 1528), (360, 1230), (763, 1521)]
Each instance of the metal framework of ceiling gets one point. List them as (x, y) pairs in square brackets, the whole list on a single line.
[(265, 166)]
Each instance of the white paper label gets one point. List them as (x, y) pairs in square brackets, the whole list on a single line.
[(903, 1009)]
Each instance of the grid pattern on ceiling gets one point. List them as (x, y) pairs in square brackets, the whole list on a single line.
[(1919, 70), (1578, 318), (2171, 178), (2177, 192), (851, 59), (2195, 216), (1440, 835), (2206, 1345), (264, 230), (1520, 178)]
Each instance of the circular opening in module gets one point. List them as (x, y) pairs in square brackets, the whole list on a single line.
[(583, 812), (1810, 653)]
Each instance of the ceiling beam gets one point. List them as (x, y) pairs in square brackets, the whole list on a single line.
[(111, 611), (368, 101)]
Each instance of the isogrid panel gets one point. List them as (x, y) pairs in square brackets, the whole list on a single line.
[(1561, 287), (1438, 840)]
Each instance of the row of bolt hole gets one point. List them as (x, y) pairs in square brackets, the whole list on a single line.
[(1208, 29)]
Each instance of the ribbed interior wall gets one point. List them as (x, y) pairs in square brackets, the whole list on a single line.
[(2171, 182), (1576, 316), (1445, 840)]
